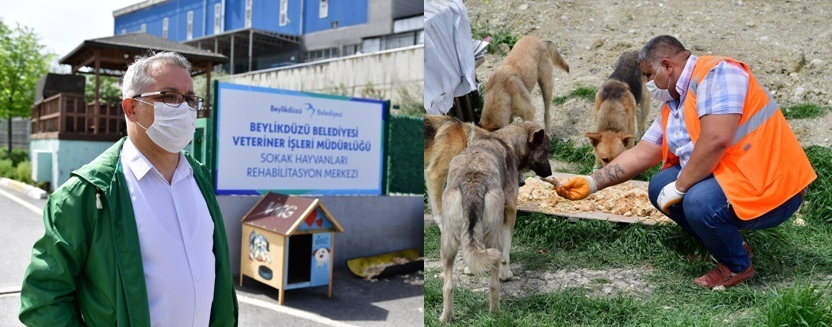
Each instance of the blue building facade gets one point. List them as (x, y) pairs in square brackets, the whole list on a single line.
[(259, 34), (182, 20)]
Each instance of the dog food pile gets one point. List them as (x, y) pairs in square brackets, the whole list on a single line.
[(625, 199)]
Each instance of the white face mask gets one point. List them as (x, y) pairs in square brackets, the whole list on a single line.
[(662, 95), (173, 127)]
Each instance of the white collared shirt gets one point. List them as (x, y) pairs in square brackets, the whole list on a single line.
[(176, 238)]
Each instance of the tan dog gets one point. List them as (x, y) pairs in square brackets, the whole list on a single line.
[(445, 137), (619, 114), (508, 91), (481, 203)]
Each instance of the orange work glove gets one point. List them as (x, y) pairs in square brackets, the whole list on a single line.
[(577, 188)]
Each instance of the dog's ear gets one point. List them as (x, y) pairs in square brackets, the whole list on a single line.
[(627, 138), (538, 137), (594, 138)]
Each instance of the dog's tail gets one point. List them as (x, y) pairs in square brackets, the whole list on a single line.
[(484, 210), (557, 60)]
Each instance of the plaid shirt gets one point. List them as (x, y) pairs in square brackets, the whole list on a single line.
[(721, 92)]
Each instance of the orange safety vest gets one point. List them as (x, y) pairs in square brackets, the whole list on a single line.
[(765, 165)]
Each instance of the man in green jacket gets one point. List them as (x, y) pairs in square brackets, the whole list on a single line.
[(136, 237)]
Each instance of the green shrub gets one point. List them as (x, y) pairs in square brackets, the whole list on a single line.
[(24, 172), (18, 155), (7, 169)]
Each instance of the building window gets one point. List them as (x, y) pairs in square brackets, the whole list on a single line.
[(144, 28), (190, 25), (352, 49), (323, 12), (409, 24), (248, 13), (217, 18), (165, 28), (371, 45), (284, 12), (123, 31), (320, 54)]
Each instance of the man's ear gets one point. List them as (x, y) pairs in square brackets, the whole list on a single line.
[(666, 63), (129, 107)]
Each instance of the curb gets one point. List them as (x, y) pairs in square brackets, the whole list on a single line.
[(29, 190)]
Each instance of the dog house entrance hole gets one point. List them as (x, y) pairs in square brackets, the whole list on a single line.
[(300, 259)]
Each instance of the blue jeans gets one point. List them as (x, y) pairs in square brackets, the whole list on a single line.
[(705, 214)]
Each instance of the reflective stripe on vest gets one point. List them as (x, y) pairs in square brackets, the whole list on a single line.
[(758, 119)]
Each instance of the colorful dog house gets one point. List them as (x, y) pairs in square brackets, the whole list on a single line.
[(288, 243)]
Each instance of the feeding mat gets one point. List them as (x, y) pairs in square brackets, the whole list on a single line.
[(625, 203)]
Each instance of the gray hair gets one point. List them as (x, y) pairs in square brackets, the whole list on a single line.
[(662, 46), (137, 78)]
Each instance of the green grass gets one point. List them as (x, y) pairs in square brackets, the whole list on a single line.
[(567, 151), (804, 110), (793, 265), (582, 92), (782, 255), (502, 31), (803, 304), (818, 205)]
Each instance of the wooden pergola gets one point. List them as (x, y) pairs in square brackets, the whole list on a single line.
[(110, 56)]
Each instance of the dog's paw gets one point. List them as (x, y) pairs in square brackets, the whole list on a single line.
[(446, 317), (505, 273), (438, 220), (467, 271)]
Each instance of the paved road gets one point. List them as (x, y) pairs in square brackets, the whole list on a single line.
[(392, 301)]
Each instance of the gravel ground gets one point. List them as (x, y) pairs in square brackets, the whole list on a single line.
[(786, 44), (607, 282)]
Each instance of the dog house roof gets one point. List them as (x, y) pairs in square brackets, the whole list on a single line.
[(284, 214)]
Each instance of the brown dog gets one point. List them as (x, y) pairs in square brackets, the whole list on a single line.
[(619, 114), (481, 203), (508, 91), (445, 137)]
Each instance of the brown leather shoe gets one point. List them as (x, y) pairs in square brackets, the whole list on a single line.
[(721, 276), (705, 257)]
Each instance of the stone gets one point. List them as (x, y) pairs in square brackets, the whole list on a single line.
[(816, 62), (523, 6), (799, 91)]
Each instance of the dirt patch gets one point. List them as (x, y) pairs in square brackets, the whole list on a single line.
[(600, 283), (784, 43)]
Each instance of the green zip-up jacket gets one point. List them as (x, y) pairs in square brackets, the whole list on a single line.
[(87, 268)]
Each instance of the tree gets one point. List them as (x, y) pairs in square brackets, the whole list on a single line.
[(22, 61)]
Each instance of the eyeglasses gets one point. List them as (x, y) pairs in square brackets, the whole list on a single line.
[(173, 99)]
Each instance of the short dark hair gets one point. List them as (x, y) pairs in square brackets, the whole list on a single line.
[(662, 46)]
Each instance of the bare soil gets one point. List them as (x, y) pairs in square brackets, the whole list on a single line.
[(786, 44)]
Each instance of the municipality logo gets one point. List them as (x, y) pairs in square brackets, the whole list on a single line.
[(312, 111)]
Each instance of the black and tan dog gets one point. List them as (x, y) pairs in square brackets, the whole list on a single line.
[(508, 91), (621, 106), (480, 203)]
